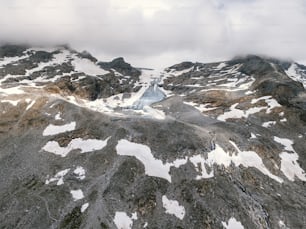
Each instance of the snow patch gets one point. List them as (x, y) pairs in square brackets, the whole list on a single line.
[(289, 161), (58, 116), (287, 143), (12, 102), (84, 146), (59, 177), (220, 157), (268, 124), (84, 207), (173, 207), (79, 172), (153, 166), (87, 66), (238, 114), (30, 105), (295, 74), (77, 194), (232, 224), (290, 166), (201, 107), (123, 221), (54, 130)]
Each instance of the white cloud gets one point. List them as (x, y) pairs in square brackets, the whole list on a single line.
[(161, 32)]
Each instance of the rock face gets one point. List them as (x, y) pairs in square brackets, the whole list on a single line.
[(224, 148)]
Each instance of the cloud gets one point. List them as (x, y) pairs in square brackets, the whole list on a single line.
[(160, 32)]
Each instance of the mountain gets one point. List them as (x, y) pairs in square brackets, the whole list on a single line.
[(92, 144)]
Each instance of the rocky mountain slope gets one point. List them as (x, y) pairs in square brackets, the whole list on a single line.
[(90, 144)]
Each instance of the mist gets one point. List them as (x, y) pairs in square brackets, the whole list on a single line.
[(159, 33)]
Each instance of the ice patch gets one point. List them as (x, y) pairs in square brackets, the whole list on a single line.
[(151, 95), (84, 207), (173, 207), (232, 224), (53, 130), (59, 177), (84, 146), (77, 194)]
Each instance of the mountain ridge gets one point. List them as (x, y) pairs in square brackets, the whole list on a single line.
[(212, 145)]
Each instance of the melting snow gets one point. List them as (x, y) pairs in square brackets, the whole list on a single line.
[(84, 146), (173, 207), (84, 207), (232, 224), (59, 177), (53, 130), (123, 221), (77, 194)]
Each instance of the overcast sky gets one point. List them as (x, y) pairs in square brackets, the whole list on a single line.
[(154, 33)]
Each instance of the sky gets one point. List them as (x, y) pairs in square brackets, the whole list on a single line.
[(159, 33)]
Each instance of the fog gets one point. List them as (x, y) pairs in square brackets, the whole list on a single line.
[(158, 33)]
